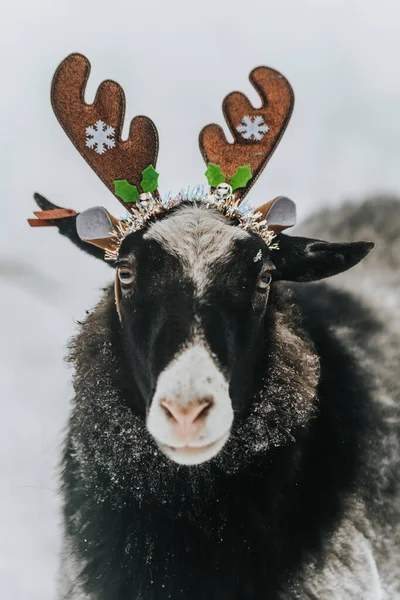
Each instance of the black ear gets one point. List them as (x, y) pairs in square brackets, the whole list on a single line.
[(67, 227), (304, 259)]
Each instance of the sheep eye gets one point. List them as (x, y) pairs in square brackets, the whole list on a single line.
[(263, 282), (125, 275)]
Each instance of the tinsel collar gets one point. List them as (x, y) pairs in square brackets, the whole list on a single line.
[(152, 208)]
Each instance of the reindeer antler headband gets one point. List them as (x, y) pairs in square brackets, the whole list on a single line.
[(127, 167)]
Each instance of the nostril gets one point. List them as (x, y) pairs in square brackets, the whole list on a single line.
[(186, 414), (204, 408), (168, 409)]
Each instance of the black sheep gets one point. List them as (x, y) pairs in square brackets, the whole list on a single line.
[(301, 501)]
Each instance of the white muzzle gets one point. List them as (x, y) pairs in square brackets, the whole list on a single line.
[(191, 413)]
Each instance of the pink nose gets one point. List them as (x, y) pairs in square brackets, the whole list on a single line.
[(187, 418)]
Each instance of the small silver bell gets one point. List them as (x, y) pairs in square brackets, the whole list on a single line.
[(223, 191), (145, 202)]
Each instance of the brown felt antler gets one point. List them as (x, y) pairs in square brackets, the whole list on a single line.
[(256, 131), (95, 129)]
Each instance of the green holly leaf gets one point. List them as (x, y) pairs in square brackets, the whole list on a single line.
[(149, 181), (241, 177), (214, 175), (124, 190)]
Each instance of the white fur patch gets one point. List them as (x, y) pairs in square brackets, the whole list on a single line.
[(198, 237), (190, 377), (258, 256), (349, 570)]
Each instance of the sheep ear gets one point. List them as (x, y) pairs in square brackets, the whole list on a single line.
[(303, 259), (280, 213), (95, 226)]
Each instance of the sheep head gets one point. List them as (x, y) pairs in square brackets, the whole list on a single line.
[(194, 272)]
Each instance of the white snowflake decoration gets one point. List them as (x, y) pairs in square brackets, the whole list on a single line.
[(99, 137), (253, 128)]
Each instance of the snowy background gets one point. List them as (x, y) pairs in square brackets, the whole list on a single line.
[(176, 60)]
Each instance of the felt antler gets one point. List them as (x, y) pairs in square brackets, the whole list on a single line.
[(95, 130), (256, 131)]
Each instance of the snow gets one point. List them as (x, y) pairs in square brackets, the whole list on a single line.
[(343, 142)]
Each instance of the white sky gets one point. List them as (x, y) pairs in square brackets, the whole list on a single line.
[(176, 61)]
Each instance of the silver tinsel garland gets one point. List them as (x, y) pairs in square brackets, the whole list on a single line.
[(148, 208)]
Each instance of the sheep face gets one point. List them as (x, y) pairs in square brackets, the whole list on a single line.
[(194, 291)]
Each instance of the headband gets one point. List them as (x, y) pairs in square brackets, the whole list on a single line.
[(128, 167)]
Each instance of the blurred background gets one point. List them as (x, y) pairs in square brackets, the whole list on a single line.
[(176, 61)]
